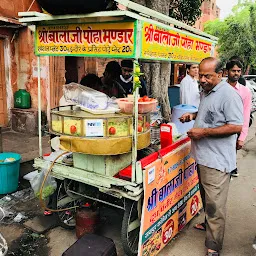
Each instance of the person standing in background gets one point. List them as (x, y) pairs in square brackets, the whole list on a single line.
[(189, 89), (234, 69), (110, 81), (241, 79)]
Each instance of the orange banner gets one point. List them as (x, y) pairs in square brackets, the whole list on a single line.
[(171, 199)]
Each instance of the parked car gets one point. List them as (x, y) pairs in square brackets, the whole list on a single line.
[(251, 84), (250, 77)]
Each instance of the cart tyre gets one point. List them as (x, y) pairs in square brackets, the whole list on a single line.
[(55, 197), (130, 245)]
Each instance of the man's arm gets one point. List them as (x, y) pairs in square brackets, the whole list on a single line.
[(233, 111), (246, 111), (184, 92), (222, 131), (187, 117)]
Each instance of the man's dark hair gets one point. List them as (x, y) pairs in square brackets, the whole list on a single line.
[(233, 63), (236, 58), (127, 64), (114, 69), (90, 80), (188, 66), (219, 66)]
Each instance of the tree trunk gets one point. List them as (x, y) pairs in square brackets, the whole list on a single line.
[(158, 74)]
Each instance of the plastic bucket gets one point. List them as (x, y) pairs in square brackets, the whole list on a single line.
[(9, 173), (177, 112)]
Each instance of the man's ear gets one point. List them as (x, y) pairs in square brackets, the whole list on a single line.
[(220, 74)]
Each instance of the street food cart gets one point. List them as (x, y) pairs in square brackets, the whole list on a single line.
[(159, 193)]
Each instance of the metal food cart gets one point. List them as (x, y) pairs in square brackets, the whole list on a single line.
[(132, 34)]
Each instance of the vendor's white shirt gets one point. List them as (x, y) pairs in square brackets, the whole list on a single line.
[(189, 91)]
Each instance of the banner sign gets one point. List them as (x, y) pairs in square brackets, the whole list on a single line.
[(159, 43), (92, 40), (171, 199)]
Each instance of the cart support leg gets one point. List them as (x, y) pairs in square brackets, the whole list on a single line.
[(135, 129), (39, 107)]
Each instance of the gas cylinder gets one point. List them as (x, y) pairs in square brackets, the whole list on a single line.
[(87, 221)]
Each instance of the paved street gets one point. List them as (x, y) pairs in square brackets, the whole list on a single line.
[(240, 230), (241, 215)]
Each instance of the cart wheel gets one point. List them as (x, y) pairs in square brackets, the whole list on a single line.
[(131, 228), (61, 199)]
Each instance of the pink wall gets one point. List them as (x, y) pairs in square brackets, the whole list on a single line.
[(11, 8)]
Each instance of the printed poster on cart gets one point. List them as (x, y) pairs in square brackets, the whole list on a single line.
[(113, 40), (171, 199)]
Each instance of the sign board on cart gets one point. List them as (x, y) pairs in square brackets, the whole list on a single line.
[(171, 199), (159, 43), (120, 40), (113, 40)]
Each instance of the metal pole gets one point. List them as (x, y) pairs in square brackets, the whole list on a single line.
[(39, 107), (135, 128)]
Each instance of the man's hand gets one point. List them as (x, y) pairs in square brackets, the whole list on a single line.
[(187, 117), (197, 133), (239, 144)]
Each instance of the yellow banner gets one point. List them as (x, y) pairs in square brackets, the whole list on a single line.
[(171, 199), (95, 40), (167, 44)]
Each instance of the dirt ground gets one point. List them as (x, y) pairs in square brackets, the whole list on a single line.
[(240, 229)]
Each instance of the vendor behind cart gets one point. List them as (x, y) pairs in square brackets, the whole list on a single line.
[(110, 84), (126, 78)]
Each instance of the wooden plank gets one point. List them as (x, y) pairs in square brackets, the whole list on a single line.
[(57, 79), (83, 176), (3, 106)]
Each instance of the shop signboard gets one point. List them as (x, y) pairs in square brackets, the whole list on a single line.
[(171, 199), (170, 44), (112, 40)]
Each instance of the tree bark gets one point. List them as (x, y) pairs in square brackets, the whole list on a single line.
[(158, 74)]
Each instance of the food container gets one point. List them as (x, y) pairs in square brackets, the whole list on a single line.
[(72, 126), (126, 106)]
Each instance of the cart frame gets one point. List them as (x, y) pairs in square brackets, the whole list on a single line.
[(117, 188)]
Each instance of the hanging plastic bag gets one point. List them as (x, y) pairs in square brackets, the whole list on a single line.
[(87, 97), (50, 184)]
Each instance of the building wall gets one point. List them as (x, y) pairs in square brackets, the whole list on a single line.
[(28, 70), (10, 65), (21, 63), (210, 11)]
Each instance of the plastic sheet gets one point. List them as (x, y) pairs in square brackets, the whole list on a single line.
[(88, 97)]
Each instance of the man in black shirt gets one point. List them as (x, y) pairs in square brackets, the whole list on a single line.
[(126, 78)]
